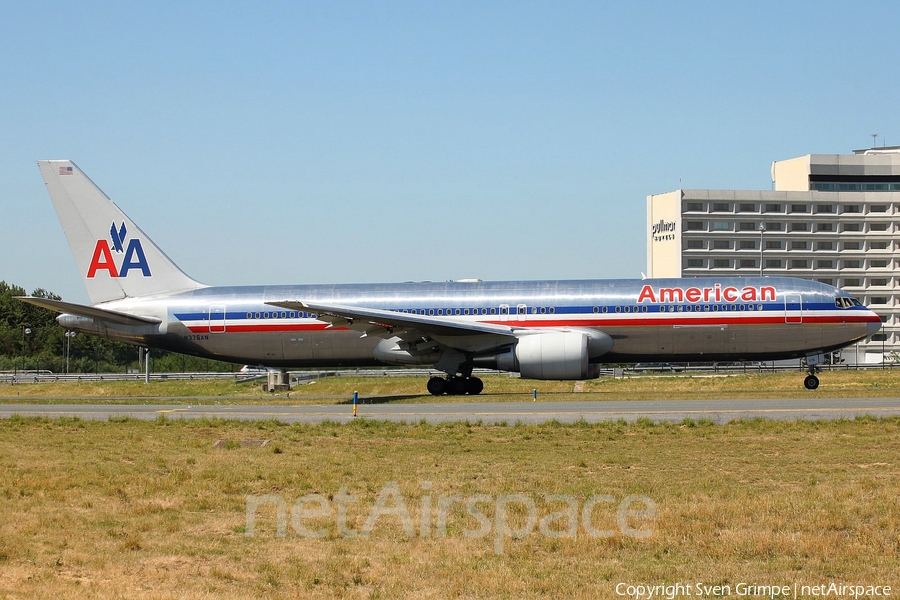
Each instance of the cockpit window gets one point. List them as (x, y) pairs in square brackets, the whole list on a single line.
[(846, 302)]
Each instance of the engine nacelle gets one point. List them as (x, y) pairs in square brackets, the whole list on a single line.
[(551, 355)]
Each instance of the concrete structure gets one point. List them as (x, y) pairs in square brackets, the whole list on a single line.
[(833, 218)]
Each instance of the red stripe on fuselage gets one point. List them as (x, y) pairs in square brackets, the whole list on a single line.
[(637, 320)]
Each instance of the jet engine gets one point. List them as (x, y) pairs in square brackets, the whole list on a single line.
[(556, 355)]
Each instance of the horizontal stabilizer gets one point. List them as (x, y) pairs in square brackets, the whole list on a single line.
[(109, 316)]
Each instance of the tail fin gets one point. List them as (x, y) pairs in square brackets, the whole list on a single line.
[(116, 259)]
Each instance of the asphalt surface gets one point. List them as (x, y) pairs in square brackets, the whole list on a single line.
[(675, 411)]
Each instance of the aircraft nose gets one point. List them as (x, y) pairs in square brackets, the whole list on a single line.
[(874, 324)]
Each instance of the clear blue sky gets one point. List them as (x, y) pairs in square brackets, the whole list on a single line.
[(331, 142)]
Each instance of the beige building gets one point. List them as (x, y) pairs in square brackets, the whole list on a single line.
[(833, 218)]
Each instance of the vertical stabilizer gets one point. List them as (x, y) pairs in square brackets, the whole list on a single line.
[(116, 259)]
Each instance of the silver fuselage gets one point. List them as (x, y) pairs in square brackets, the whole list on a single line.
[(678, 320)]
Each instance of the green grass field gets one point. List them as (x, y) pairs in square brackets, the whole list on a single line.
[(157, 510)]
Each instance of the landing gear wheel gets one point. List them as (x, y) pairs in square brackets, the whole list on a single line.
[(458, 386), (437, 386), (811, 382), (475, 386)]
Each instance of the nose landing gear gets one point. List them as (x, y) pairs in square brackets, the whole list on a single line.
[(811, 382), (812, 363)]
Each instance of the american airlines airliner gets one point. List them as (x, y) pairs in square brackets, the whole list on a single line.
[(539, 329)]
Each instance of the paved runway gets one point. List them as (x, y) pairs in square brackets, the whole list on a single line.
[(718, 411)]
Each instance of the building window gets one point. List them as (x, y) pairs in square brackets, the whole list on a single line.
[(722, 263), (879, 264), (852, 208), (881, 282), (825, 209), (721, 226), (825, 227), (799, 246), (748, 244), (826, 281), (799, 264), (878, 226), (851, 245), (694, 225), (878, 300), (878, 245), (695, 244), (773, 245), (851, 264), (770, 208), (824, 245), (694, 207), (774, 226), (773, 263), (721, 207), (878, 208), (748, 263), (747, 226), (799, 227), (799, 208), (825, 264), (721, 245), (748, 208), (695, 263), (851, 282), (852, 227)]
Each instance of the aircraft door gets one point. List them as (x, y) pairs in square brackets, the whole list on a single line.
[(504, 312), (217, 318), (793, 308)]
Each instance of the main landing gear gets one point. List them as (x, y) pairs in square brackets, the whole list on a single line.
[(455, 386)]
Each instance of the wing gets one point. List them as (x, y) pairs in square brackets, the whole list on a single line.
[(388, 323)]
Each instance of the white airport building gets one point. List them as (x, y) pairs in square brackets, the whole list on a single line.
[(834, 218)]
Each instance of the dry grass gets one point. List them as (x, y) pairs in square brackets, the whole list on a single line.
[(154, 510), (498, 388)]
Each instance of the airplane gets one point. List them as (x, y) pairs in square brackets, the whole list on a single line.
[(551, 330)]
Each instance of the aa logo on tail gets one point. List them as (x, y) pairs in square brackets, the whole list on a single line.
[(134, 258)]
